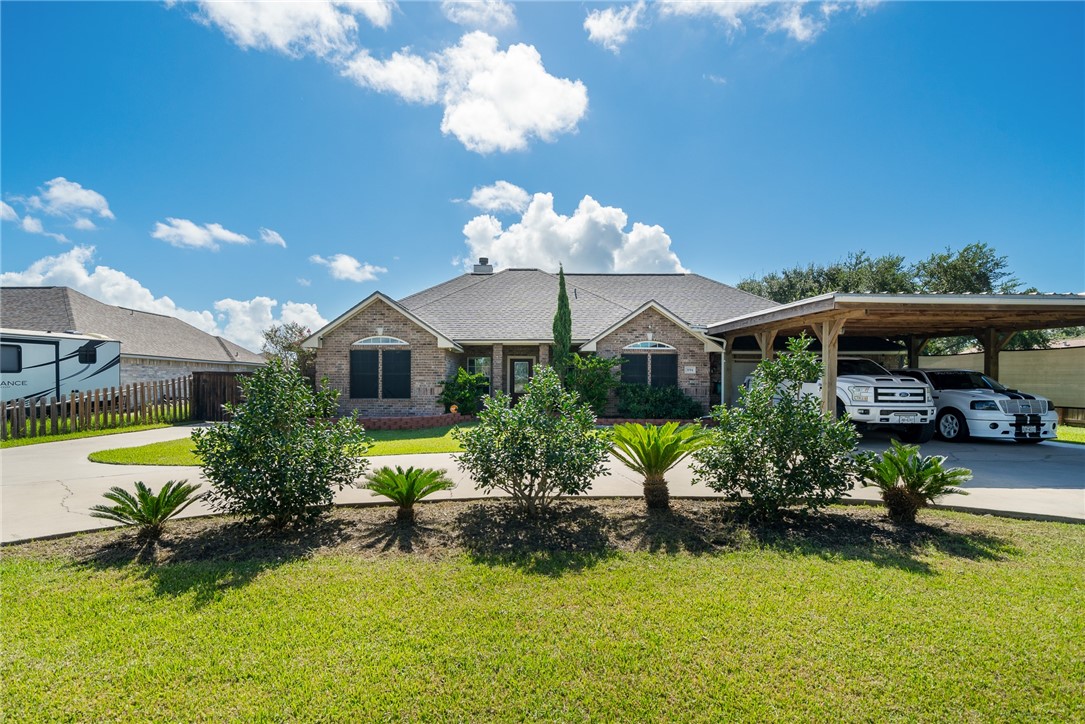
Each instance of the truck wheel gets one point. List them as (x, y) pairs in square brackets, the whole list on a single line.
[(952, 426), (918, 433), (841, 411)]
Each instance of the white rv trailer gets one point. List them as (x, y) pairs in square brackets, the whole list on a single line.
[(52, 364)]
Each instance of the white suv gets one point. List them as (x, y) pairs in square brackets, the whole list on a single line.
[(971, 404)]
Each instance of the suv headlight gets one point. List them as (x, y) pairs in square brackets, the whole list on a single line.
[(861, 393), (984, 405)]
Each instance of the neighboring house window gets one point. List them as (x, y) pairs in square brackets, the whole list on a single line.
[(88, 354), (479, 366), (11, 358), (664, 364), (380, 373)]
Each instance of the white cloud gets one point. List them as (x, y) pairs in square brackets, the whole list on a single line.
[(501, 196), (241, 321), (611, 27), (411, 77), (769, 15), (593, 239), (314, 27), (7, 213), (717, 79), (302, 281), (32, 225), (84, 224), (480, 14), (274, 238), (497, 100), (347, 268), (188, 234), (61, 197)]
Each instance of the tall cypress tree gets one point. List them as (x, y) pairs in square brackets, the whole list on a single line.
[(563, 329)]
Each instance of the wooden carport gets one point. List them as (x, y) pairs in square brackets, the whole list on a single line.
[(913, 318)]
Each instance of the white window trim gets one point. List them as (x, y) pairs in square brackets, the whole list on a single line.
[(648, 345), (381, 340)]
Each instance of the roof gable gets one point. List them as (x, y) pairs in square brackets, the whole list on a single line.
[(710, 345), (314, 340)]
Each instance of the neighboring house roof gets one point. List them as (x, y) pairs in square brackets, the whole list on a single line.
[(141, 334), (519, 304), (314, 340)]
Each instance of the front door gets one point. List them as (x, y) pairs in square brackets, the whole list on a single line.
[(520, 369)]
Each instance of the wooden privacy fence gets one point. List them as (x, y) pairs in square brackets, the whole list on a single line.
[(211, 390), (139, 403)]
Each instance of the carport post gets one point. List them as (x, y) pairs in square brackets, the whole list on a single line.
[(829, 334), (766, 340), (916, 345), (993, 343)]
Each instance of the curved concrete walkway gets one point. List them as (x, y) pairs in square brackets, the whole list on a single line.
[(47, 489)]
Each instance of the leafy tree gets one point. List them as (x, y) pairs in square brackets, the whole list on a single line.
[(778, 449), (909, 481), (465, 391), (563, 329), (652, 451), (281, 453), (545, 446), (147, 509), (592, 377), (973, 269), (407, 487), (283, 342), (857, 273)]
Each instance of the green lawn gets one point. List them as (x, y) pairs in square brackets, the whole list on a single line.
[(386, 442), (19, 442), (839, 619), (1071, 434)]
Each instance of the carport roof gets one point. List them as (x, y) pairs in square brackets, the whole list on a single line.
[(926, 315)]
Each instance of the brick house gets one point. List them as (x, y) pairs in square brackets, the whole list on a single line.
[(388, 357)]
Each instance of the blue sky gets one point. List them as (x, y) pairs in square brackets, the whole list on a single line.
[(243, 164)]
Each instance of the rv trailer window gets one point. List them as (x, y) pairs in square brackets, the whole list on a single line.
[(88, 354), (11, 358)]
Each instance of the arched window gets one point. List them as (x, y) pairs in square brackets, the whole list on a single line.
[(648, 346), (377, 373), (380, 341), (658, 367)]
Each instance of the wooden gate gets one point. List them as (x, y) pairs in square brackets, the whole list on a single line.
[(211, 390)]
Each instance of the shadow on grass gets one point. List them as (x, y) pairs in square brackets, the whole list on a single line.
[(567, 537), (840, 536), (394, 536), (217, 559), (674, 531)]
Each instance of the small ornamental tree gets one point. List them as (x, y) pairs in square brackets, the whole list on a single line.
[(779, 450), (281, 456), (563, 329), (545, 446), (465, 391)]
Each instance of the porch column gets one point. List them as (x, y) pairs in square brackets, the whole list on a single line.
[(829, 334), (728, 371), (497, 369), (993, 343), (916, 345), (544, 354)]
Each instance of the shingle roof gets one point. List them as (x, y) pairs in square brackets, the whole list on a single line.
[(519, 304), (141, 334)]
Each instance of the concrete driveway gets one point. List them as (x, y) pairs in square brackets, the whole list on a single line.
[(47, 489)]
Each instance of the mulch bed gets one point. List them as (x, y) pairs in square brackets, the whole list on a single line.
[(492, 531)]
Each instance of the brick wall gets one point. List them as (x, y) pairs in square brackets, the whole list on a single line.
[(690, 351), (429, 364)]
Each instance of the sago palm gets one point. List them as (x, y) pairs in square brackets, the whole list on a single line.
[(407, 487), (147, 509), (910, 481), (652, 451)]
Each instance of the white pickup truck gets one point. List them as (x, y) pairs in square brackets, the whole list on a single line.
[(971, 404), (870, 396)]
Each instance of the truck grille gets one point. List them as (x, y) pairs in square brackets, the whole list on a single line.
[(1023, 407), (900, 394)]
